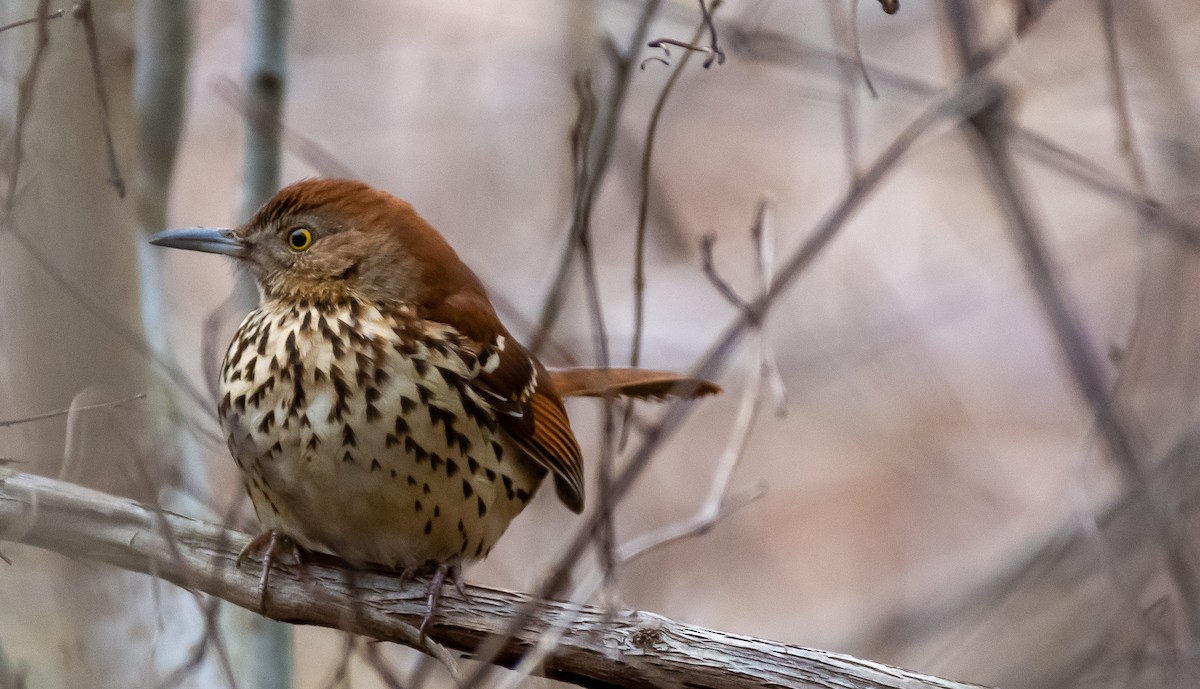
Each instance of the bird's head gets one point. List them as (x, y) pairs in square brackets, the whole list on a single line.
[(334, 239)]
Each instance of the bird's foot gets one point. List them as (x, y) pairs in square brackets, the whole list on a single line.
[(267, 545), (443, 571)]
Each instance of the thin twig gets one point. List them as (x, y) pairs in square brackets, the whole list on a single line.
[(857, 45), (175, 552), (846, 34), (707, 263), (786, 50), (83, 13), (72, 410), (764, 253), (715, 507), (26, 87), (589, 186), (1050, 154), (587, 259), (370, 653), (712, 50), (319, 158), (32, 20), (717, 503), (639, 257), (113, 324), (715, 49), (1120, 97)]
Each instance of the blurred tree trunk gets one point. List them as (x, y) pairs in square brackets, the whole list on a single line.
[(262, 649), (71, 332)]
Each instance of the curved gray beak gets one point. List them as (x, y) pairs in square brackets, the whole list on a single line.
[(213, 240)]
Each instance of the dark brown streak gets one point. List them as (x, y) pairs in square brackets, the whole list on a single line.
[(83, 12)]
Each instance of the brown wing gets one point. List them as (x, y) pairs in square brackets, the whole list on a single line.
[(532, 414), (628, 382), (518, 388)]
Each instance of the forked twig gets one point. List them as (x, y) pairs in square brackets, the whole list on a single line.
[(712, 50)]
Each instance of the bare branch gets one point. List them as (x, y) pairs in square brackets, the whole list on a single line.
[(715, 507), (780, 49), (1073, 340), (846, 33), (83, 12), (969, 96), (591, 170), (631, 651), (1120, 97), (857, 45), (26, 87), (264, 121), (707, 243)]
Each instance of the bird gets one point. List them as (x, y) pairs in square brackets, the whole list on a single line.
[(375, 405)]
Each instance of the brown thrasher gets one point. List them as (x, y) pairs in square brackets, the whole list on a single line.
[(377, 408)]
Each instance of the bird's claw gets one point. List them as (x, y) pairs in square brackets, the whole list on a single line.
[(444, 570), (267, 544)]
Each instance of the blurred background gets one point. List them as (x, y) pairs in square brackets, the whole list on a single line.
[(935, 492)]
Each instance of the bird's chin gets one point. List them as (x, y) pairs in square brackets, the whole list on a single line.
[(278, 286)]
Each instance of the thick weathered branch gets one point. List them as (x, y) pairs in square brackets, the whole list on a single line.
[(629, 649)]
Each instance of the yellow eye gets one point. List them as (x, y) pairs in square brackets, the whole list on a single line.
[(300, 239)]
